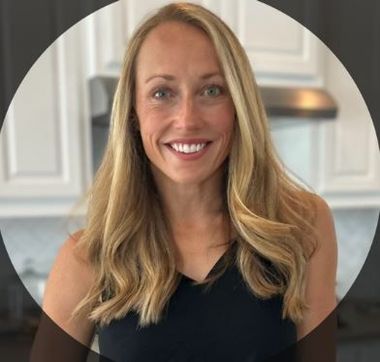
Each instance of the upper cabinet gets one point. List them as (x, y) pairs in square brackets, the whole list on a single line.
[(42, 146), (281, 51), (348, 150), (338, 158)]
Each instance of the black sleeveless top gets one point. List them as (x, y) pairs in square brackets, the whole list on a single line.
[(225, 324)]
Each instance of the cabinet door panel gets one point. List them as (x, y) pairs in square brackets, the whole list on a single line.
[(40, 145), (277, 45), (350, 158)]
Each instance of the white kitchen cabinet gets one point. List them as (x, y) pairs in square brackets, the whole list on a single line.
[(349, 158), (42, 145), (338, 158), (281, 51), (349, 164)]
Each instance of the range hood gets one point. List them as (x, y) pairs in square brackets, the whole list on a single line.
[(298, 102), (313, 103)]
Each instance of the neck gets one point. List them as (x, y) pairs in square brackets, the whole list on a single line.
[(192, 204)]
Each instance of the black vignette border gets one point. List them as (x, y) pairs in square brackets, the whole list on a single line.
[(28, 27)]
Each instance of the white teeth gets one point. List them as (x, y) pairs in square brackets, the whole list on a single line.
[(186, 148)]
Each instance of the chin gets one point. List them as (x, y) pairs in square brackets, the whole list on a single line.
[(190, 180), (184, 177)]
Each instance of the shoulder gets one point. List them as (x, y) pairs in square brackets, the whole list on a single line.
[(72, 258), (71, 248), (321, 206), (71, 267), (323, 223), (321, 218), (69, 281), (318, 210)]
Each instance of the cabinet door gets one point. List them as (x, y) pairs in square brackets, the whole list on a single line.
[(41, 146), (349, 154), (279, 48)]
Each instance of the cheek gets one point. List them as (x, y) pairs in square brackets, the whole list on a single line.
[(224, 120), (148, 119), (151, 128), (147, 131)]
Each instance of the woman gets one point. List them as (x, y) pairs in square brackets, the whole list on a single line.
[(197, 245)]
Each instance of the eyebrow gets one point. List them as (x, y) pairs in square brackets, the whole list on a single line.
[(172, 77)]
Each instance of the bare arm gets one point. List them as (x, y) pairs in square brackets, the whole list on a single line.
[(321, 281), (69, 281)]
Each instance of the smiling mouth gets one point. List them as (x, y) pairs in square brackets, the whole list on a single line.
[(187, 149)]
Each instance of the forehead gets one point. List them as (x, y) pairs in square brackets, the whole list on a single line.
[(176, 46)]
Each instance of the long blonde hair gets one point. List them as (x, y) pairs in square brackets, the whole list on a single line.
[(127, 237)]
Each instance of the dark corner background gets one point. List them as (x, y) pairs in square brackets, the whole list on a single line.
[(350, 28)]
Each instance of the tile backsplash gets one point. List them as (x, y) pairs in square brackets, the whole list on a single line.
[(355, 231), (35, 241)]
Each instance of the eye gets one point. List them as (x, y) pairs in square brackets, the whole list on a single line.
[(160, 93), (213, 90)]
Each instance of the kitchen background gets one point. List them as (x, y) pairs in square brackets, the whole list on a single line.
[(50, 143)]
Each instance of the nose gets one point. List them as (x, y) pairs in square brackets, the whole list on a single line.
[(188, 115)]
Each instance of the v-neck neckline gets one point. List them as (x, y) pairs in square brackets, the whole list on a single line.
[(214, 267)]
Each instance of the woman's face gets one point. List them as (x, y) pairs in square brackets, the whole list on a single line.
[(185, 112)]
